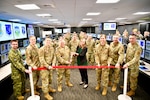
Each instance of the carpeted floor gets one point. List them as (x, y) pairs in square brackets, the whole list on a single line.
[(78, 93)]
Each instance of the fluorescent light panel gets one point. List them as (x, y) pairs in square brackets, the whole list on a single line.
[(87, 19), (93, 13), (121, 18), (27, 6), (15, 20), (36, 22), (141, 13), (52, 19), (43, 15), (107, 1)]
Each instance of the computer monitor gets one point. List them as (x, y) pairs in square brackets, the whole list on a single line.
[(4, 58), (4, 48), (147, 45), (147, 54), (22, 50), (20, 43), (25, 43), (120, 39), (141, 43), (142, 53), (109, 38)]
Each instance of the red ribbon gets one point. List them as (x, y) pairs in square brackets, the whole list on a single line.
[(74, 67)]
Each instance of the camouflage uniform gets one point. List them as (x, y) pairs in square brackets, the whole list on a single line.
[(102, 54), (90, 51), (62, 55), (46, 57), (32, 59), (73, 46), (18, 69), (132, 60), (117, 55)]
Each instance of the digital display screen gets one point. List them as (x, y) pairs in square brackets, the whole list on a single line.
[(147, 45), (109, 26), (4, 58), (120, 39), (5, 47), (141, 43), (6, 32), (22, 50), (19, 31), (66, 30), (147, 54), (109, 38), (25, 43), (58, 30), (142, 53)]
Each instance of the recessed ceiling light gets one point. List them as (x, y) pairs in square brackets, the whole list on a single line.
[(36, 22), (15, 20), (57, 22), (93, 13), (43, 15), (121, 18), (27, 6), (52, 19), (107, 1), (141, 13), (87, 19)]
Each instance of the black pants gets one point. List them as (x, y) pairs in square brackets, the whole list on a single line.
[(84, 76)]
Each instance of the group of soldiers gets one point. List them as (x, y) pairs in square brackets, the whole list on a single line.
[(59, 53)]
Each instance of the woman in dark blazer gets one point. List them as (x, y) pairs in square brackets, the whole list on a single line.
[(82, 61)]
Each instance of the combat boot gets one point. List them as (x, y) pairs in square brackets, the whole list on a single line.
[(48, 97), (27, 90), (97, 87), (68, 83), (114, 87), (20, 98), (110, 84), (131, 93), (36, 93), (104, 92), (51, 89), (59, 88)]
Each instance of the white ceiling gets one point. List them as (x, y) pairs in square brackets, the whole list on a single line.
[(71, 12)]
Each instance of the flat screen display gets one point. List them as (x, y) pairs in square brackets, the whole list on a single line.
[(109, 26), (19, 31), (147, 54), (6, 31), (58, 30), (120, 39), (25, 43), (4, 58), (142, 53), (141, 43), (147, 45), (4, 47)]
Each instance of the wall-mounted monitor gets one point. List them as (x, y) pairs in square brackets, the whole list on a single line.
[(109, 26), (58, 30), (141, 43), (147, 54), (66, 30), (19, 31), (147, 45), (6, 31), (25, 43)]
